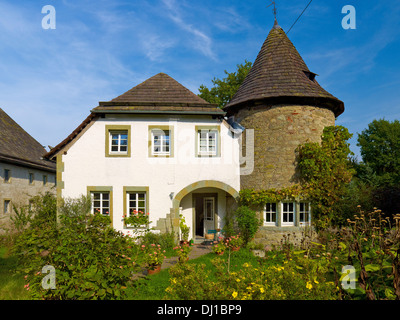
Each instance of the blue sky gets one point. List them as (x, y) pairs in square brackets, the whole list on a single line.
[(51, 79)]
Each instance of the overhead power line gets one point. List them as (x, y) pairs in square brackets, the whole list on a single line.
[(299, 16)]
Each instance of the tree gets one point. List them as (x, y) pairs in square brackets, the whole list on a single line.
[(380, 151), (380, 169), (326, 171), (224, 90)]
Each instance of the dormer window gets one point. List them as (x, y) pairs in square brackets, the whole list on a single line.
[(310, 75)]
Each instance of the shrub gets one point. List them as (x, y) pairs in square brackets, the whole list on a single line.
[(166, 240), (304, 279), (183, 251), (90, 258), (192, 282), (219, 248), (248, 223)]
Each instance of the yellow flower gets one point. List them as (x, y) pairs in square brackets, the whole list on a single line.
[(234, 294), (316, 281), (309, 285), (238, 280), (262, 290)]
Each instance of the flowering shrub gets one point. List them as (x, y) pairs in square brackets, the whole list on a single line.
[(137, 219), (152, 255), (219, 248), (300, 280), (183, 251), (191, 282), (234, 241)]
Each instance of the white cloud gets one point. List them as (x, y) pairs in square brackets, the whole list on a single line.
[(201, 41)]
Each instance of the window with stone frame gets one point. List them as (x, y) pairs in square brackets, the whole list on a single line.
[(101, 202), (7, 175), (270, 214), (288, 213), (207, 142), (7, 206), (160, 142), (304, 213), (119, 142)]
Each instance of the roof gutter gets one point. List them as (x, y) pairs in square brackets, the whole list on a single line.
[(102, 111)]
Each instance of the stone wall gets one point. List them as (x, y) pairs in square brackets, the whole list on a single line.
[(276, 236), (18, 190), (278, 130)]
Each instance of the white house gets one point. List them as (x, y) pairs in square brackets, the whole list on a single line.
[(157, 148)]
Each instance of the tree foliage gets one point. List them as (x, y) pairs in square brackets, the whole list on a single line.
[(380, 151), (326, 172), (223, 90)]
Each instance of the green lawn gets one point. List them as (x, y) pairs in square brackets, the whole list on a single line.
[(11, 284)]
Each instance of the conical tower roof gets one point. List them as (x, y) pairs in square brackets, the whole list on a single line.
[(279, 76)]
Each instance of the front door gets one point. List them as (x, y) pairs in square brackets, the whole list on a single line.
[(209, 207), (204, 212)]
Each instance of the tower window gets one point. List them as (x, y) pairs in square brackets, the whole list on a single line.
[(310, 75)]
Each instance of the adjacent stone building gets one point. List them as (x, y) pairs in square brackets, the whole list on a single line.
[(23, 171), (281, 100)]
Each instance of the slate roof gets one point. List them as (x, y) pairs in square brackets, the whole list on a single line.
[(20, 148), (279, 75), (159, 94)]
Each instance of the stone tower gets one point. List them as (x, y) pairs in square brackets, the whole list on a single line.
[(282, 101)]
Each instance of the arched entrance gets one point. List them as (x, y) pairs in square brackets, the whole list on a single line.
[(204, 204)]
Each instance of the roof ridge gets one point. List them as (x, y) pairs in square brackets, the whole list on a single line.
[(160, 87)]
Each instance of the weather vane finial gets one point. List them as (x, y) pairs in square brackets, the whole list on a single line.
[(273, 3)]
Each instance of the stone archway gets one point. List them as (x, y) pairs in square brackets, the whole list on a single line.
[(202, 184), (171, 221)]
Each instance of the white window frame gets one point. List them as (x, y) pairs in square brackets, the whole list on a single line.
[(164, 143), (209, 215), (207, 145), (305, 213), (269, 213), (119, 140), (102, 207), (137, 207), (288, 213)]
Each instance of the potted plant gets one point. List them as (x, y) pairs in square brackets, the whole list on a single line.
[(183, 251), (219, 248), (234, 242), (153, 258)]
